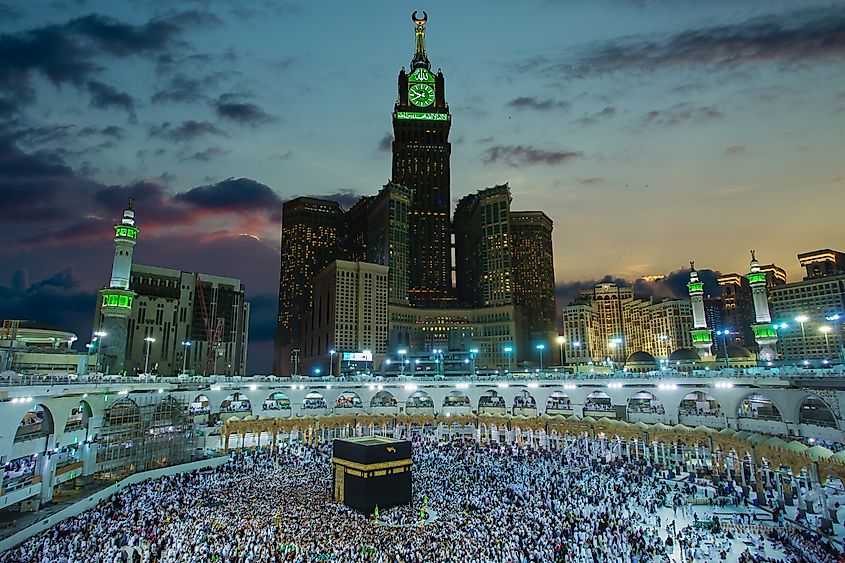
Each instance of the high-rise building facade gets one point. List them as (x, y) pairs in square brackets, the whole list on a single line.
[(195, 322), (533, 272), (310, 241), (737, 312), (812, 309), (388, 242), (421, 156), (349, 314)]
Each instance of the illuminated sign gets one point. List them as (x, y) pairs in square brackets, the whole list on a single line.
[(358, 356), (117, 300), (423, 116), (123, 231), (695, 286), (421, 75)]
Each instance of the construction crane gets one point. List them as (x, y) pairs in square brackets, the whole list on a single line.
[(213, 334)]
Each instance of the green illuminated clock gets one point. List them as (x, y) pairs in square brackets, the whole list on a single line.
[(421, 95)]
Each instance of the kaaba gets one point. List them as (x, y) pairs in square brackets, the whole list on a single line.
[(371, 471)]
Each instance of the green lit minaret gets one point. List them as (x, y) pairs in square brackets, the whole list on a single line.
[(116, 300), (702, 337)]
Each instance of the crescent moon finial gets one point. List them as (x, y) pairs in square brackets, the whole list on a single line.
[(419, 21)]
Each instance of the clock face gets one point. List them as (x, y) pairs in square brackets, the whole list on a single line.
[(421, 95)]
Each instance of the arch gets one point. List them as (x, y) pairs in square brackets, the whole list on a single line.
[(598, 401), (123, 411), (813, 410), (37, 422), (348, 400), (236, 402), (276, 401), (524, 400), (489, 400), (314, 401), (456, 399), (645, 403), (200, 405), (383, 399), (559, 403), (420, 399), (699, 403), (758, 406), (169, 412), (79, 417)]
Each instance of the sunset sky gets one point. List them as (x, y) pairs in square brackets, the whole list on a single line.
[(653, 132)]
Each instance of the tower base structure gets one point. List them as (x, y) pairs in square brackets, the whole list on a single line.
[(766, 337), (116, 308)]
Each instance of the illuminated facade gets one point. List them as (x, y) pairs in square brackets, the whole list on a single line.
[(349, 314), (310, 242), (421, 156), (114, 303), (702, 337), (822, 263), (737, 313), (168, 309), (764, 333), (388, 241)]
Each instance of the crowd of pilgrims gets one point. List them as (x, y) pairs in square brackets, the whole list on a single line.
[(481, 503)]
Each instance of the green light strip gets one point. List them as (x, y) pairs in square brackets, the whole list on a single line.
[(422, 116), (757, 277), (695, 287), (117, 300), (123, 231)]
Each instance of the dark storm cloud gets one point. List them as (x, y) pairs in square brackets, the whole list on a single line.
[(207, 155), (186, 131), (592, 118), (104, 96), (238, 194), (68, 53), (245, 113), (672, 286), (386, 143), (814, 34), (263, 318), (532, 103), (519, 155), (681, 113), (10, 13)]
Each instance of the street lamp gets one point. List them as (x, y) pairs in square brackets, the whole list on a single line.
[(801, 319), (508, 351), (149, 340), (99, 334), (540, 348), (825, 329), (402, 353), (473, 352), (724, 334), (614, 344), (577, 346), (186, 344), (560, 341), (331, 361), (836, 319)]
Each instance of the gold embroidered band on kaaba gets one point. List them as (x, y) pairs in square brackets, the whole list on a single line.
[(373, 469)]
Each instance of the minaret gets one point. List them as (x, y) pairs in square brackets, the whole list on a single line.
[(116, 300), (764, 333), (702, 337)]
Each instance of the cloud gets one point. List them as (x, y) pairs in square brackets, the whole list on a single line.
[(184, 89), (346, 198), (680, 113), (591, 181), (532, 103), (104, 96), (233, 194), (10, 13), (592, 118), (241, 112), (519, 155), (808, 35), (736, 150), (386, 143), (208, 154), (186, 131)]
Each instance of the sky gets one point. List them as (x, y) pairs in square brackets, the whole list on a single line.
[(653, 132)]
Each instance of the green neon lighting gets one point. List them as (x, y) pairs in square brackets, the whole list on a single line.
[(125, 231), (421, 95), (701, 335), (696, 286), (117, 300), (765, 332), (421, 75), (422, 116), (757, 277)]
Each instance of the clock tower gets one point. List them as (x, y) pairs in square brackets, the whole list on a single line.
[(421, 154)]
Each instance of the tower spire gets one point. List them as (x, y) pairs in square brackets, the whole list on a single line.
[(420, 58)]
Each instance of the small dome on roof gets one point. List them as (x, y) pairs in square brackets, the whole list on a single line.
[(641, 358), (684, 355), (737, 352)]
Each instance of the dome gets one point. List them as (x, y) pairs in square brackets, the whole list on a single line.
[(641, 358), (737, 352), (684, 355)]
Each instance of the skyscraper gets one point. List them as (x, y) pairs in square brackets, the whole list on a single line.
[(421, 155), (310, 242), (737, 311), (533, 271), (387, 238)]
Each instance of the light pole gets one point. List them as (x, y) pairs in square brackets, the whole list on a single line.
[(835, 319), (560, 341), (331, 361), (778, 329), (402, 353), (801, 319), (540, 348), (101, 335), (664, 338), (472, 353), (149, 340), (724, 334), (577, 346), (825, 329), (186, 344), (615, 344), (508, 351)]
